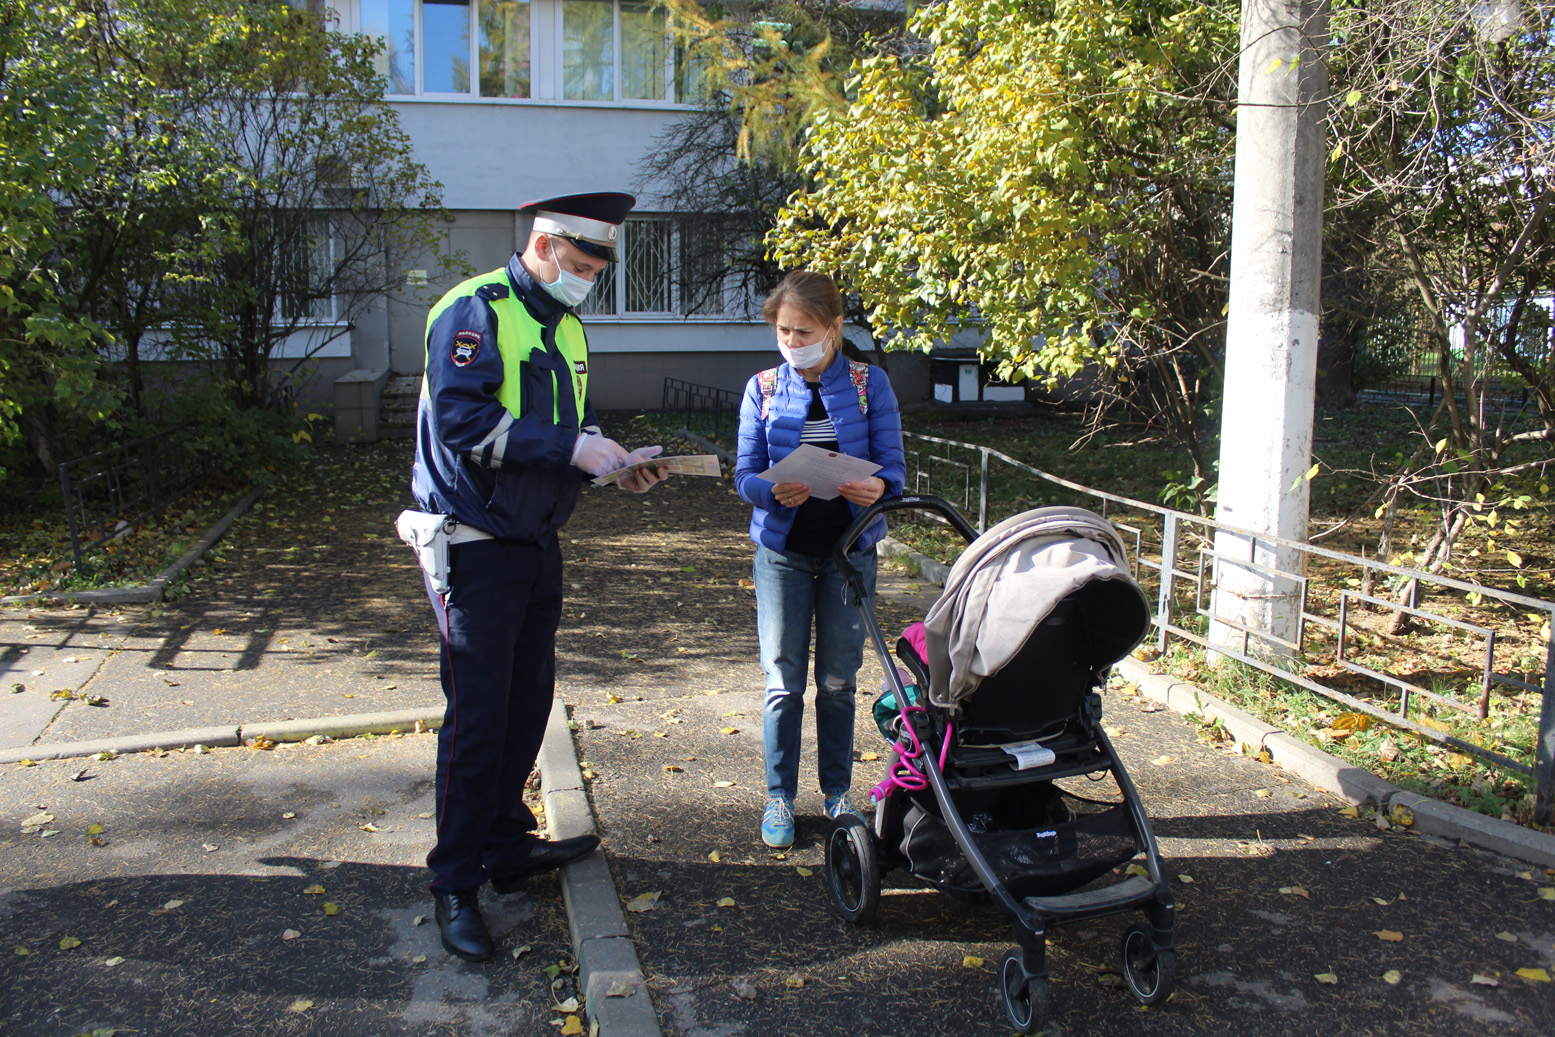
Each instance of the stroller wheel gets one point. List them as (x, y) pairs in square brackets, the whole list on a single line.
[(1147, 969), (1026, 999), (852, 869)]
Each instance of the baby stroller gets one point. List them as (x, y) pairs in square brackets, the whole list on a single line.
[(1033, 616)]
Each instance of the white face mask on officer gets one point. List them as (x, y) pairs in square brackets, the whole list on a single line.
[(802, 358), (569, 289)]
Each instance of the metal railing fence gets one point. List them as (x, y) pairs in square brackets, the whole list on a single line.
[(109, 493), (712, 412), (1455, 650)]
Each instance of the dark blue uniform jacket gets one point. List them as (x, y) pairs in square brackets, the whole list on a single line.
[(521, 487)]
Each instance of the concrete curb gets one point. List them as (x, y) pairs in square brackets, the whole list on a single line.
[(607, 959), (186, 739), (157, 588), (1353, 784), (348, 726)]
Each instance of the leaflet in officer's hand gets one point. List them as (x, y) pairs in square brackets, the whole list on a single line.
[(680, 464), (821, 470)]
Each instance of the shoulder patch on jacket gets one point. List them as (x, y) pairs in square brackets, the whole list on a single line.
[(492, 291), (858, 374), (466, 347)]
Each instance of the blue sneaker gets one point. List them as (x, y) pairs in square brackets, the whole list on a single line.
[(842, 803), (777, 824)]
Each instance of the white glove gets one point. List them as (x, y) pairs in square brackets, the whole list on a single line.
[(597, 455), (644, 479)]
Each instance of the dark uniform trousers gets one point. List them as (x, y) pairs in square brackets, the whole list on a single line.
[(498, 665)]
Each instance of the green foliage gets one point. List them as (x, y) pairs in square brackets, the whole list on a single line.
[(186, 179), (50, 133), (1024, 177)]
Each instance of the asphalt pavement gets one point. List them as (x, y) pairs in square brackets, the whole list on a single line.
[(216, 812)]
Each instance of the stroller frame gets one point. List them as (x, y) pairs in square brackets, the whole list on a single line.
[(855, 852)]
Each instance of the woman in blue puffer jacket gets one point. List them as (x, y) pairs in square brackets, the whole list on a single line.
[(819, 397)]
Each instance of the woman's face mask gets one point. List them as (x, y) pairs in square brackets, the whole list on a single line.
[(569, 289), (804, 357)]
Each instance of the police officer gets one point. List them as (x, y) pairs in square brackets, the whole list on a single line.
[(505, 436)]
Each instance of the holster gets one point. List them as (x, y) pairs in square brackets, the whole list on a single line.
[(428, 535)]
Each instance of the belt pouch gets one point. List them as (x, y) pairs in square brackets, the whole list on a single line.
[(427, 534)]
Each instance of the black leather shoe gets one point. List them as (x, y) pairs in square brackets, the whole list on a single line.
[(546, 856), (464, 930)]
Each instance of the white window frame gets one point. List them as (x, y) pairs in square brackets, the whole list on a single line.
[(546, 62), (618, 288)]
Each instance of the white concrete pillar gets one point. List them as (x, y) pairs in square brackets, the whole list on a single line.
[(1272, 322)]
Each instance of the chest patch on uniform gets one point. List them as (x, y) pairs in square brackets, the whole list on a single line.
[(466, 347), (580, 366)]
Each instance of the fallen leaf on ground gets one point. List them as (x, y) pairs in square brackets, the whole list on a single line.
[(796, 981), (621, 988), (972, 961), (1185, 878), (313, 890), (644, 901), (1392, 977), (331, 909), (1326, 977), (725, 901), (1537, 975), (568, 1006), (1508, 937), (804, 872), (572, 1027), (1389, 935), (1296, 891), (289, 934), (1482, 980), (744, 988), (111, 962), (715, 856), (728, 730), (870, 757), (723, 784), (1161, 761), (300, 1005)]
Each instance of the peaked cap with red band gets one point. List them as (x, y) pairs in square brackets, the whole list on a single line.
[(590, 221)]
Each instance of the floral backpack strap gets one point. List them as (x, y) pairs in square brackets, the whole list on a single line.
[(766, 381), (858, 373)]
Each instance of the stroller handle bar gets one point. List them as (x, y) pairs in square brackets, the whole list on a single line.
[(911, 501)]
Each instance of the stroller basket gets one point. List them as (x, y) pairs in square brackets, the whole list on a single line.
[(1044, 860)]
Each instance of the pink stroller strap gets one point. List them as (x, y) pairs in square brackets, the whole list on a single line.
[(903, 773)]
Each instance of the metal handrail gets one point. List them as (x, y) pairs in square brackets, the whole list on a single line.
[(1267, 651)]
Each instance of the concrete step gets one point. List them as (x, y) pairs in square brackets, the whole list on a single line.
[(397, 407)]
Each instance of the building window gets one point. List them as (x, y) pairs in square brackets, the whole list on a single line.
[(605, 50), (669, 266), (308, 273), (504, 48)]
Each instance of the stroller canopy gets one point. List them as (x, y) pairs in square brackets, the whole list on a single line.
[(1011, 578)]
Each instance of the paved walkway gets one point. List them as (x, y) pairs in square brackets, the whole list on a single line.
[(182, 882)]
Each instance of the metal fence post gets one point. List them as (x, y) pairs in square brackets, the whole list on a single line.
[(1544, 754), (1163, 605), (982, 492), (70, 514)]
